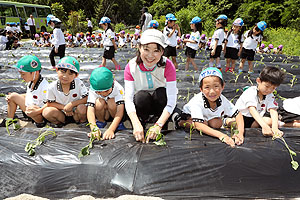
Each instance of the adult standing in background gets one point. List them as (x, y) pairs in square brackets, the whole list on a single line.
[(90, 25), (145, 19), (31, 24)]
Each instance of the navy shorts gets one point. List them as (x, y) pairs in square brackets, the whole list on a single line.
[(217, 53), (109, 52), (170, 51), (247, 54), (190, 53), (231, 53)]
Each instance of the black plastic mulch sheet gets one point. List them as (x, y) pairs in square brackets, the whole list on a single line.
[(201, 168)]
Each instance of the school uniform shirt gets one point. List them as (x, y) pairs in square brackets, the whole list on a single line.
[(38, 94), (170, 41), (122, 41), (204, 40), (199, 109), (89, 43), (98, 44), (38, 42), (139, 77), (117, 93), (108, 36), (14, 29), (8, 28), (251, 42), (19, 29), (135, 42), (27, 28), (77, 43), (56, 94), (233, 40), (46, 41), (58, 38), (267, 50), (250, 98), (292, 105), (3, 41), (195, 36), (218, 34)]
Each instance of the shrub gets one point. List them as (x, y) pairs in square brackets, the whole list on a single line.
[(118, 27)]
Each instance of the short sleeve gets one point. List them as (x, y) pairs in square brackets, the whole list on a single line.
[(51, 92), (127, 74), (170, 71), (229, 109), (92, 97), (83, 89), (271, 102)]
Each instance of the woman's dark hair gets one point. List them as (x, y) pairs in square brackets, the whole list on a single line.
[(221, 82), (198, 27), (109, 26), (240, 33), (139, 60), (57, 25), (251, 32)]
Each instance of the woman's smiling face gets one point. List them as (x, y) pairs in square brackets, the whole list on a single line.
[(150, 54)]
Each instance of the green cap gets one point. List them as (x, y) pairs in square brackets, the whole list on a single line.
[(210, 71), (70, 63), (28, 63), (101, 79)]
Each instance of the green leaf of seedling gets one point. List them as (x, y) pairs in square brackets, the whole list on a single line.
[(160, 142), (84, 152), (28, 146), (158, 137), (293, 153), (295, 165)]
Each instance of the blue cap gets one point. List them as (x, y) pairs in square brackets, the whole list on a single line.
[(210, 71), (18, 23), (7, 23), (170, 17), (222, 17), (195, 20), (153, 24), (49, 17), (104, 20), (262, 25)]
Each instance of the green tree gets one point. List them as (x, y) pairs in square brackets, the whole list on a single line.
[(291, 14), (77, 22), (58, 11)]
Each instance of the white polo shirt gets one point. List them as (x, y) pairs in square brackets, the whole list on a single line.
[(195, 36), (107, 37), (199, 109), (251, 42), (56, 94), (292, 105), (38, 94), (122, 41), (250, 98), (218, 34), (135, 42), (233, 40), (170, 41), (117, 93)]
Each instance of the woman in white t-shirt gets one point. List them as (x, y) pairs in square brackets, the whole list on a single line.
[(253, 37)]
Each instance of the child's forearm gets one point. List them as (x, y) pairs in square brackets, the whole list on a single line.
[(55, 105), (209, 131), (240, 123), (215, 46), (274, 118), (118, 117), (257, 117), (79, 101)]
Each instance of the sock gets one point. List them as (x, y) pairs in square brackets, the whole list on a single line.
[(211, 64), (219, 66)]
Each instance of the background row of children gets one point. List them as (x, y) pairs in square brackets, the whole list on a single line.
[(146, 94)]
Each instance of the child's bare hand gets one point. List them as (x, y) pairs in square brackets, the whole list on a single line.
[(108, 135), (212, 52), (277, 133), (228, 140), (7, 97), (153, 131), (97, 134), (138, 133), (267, 131), (238, 139), (68, 108)]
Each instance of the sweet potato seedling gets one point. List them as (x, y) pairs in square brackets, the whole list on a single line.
[(160, 138), (14, 123), (294, 163), (30, 146), (95, 135)]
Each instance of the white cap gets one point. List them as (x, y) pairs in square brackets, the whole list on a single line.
[(153, 36)]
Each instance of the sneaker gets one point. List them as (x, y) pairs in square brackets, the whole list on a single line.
[(56, 125), (240, 71), (118, 67), (100, 66), (176, 117), (231, 69), (121, 127), (250, 72), (100, 124), (226, 69)]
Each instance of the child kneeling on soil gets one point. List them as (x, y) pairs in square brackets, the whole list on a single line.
[(205, 110), (256, 100), (105, 100), (66, 97), (32, 103)]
